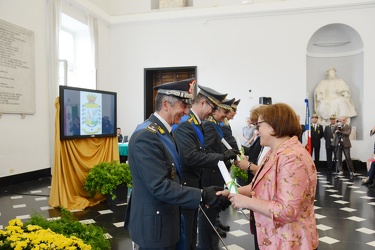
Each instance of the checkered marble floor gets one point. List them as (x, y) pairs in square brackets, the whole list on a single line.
[(345, 213)]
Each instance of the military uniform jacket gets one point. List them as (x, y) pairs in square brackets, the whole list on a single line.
[(153, 213), (193, 157), (316, 135), (228, 134), (328, 135), (212, 176)]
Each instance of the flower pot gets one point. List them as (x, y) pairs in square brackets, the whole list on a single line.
[(121, 193), (241, 182)]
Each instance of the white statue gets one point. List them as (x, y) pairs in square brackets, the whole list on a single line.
[(333, 97)]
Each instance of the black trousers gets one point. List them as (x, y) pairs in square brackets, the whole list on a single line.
[(190, 216), (349, 162), (330, 151), (316, 154), (205, 230)]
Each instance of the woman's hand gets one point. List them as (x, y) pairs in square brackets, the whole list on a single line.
[(239, 201), (224, 193), (243, 164)]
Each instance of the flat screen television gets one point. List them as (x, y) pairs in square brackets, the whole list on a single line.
[(87, 113)]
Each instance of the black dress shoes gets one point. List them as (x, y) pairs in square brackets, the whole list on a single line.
[(221, 232), (224, 227), (372, 185)]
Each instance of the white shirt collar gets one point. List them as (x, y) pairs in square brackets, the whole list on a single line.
[(166, 124), (199, 120)]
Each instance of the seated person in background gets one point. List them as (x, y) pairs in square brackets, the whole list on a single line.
[(119, 135), (369, 180)]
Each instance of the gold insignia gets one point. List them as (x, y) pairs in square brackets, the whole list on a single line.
[(211, 119), (192, 120), (152, 127), (161, 131), (172, 174)]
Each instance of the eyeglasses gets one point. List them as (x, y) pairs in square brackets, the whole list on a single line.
[(212, 106), (257, 124)]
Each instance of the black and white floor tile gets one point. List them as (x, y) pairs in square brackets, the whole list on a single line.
[(345, 213)]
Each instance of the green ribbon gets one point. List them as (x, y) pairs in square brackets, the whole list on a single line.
[(232, 184)]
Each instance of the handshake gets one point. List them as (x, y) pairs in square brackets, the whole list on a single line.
[(209, 197), (231, 154)]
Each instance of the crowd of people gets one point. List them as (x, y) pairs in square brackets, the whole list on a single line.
[(178, 193)]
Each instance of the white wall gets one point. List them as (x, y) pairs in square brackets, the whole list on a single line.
[(235, 49), (262, 51), (24, 143)]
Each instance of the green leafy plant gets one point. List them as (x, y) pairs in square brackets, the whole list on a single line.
[(239, 173), (105, 177), (65, 232)]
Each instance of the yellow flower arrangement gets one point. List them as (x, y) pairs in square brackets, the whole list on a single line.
[(34, 237)]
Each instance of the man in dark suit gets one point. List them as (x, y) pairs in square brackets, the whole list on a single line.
[(342, 142), (153, 213), (328, 136), (226, 128), (119, 135), (189, 136), (316, 135), (213, 136)]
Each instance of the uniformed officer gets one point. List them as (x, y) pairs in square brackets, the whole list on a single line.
[(316, 134), (226, 128), (213, 136), (328, 136), (153, 213), (189, 137)]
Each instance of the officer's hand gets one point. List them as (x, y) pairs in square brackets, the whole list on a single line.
[(231, 154), (222, 204), (209, 196)]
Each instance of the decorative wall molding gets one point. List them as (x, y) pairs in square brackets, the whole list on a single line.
[(241, 11)]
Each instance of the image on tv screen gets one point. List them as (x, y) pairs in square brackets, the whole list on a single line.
[(87, 113)]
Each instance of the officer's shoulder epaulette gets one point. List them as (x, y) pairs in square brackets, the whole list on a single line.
[(211, 119), (190, 120), (152, 127)]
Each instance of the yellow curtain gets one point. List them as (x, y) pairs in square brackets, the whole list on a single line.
[(73, 159)]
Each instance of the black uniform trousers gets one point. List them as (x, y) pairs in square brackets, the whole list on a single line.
[(330, 151), (349, 162)]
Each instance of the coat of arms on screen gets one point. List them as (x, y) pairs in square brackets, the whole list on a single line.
[(91, 113)]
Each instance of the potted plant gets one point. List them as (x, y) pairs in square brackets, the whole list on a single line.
[(240, 175), (106, 177), (66, 232)]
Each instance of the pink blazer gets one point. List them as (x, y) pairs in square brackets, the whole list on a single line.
[(288, 180)]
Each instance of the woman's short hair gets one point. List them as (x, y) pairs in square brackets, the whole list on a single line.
[(254, 112), (282, 118)]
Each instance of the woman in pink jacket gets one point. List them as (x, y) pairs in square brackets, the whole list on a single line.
[(281, 195)]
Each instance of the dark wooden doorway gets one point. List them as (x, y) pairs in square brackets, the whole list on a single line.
[(157, 76)]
